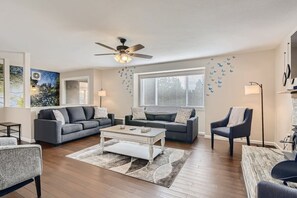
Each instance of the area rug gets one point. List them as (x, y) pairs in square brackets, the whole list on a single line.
[(162, 171), (257, 163)]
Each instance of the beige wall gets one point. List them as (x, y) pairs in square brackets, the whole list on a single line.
[(22, 116)]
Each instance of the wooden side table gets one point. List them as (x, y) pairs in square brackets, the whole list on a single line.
[(9, 130)]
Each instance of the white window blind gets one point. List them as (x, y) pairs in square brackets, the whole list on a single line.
[(175, 89)]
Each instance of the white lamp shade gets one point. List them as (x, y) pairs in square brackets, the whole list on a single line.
[(102, 93), (251, 89)]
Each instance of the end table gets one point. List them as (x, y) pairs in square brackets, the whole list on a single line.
[(9, 129)]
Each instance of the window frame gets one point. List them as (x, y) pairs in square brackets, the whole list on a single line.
[(186, 73)]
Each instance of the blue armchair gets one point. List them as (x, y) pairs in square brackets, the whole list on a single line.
[(241, 130)]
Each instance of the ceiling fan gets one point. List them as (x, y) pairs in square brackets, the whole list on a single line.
[(123, 53)]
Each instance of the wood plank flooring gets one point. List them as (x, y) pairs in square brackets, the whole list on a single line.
[(207, 173)]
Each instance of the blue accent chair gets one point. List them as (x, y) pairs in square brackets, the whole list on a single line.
[(241, 130)]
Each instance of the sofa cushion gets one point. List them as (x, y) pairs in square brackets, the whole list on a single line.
[(103, 121), (193, 114), (48, 114), (89, 112), (150, 116), (71, 128), (163, 117), (223, 131), (173, 116), (76, 114), (156, 124), (88, 124), (138, 122), (176, 127)]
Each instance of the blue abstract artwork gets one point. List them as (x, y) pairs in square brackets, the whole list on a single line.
[(45, 88)]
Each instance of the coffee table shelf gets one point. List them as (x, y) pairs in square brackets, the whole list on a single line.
[(132, 142), (133, 150)]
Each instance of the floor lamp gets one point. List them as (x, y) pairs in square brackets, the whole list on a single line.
[(101, 93), (257, 88)]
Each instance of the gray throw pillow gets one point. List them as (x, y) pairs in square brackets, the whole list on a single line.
[(183, 115), (138, 113), (59, 116)]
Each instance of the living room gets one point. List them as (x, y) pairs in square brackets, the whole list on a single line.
[(179, 68)]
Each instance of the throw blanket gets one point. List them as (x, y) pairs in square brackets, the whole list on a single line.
[(236, 116)]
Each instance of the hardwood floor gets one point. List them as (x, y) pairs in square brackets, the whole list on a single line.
[(207, 173)]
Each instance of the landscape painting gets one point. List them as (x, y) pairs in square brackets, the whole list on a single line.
[(16, 77), (45, 88)]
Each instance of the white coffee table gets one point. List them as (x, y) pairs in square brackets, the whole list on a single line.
[(132, 142)]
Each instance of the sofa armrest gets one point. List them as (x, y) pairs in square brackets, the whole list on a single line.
[(192, 129), (19, 163), (48, 131), (272, 190), (220, 123), (127, 119), (6, 141), (111, 116)]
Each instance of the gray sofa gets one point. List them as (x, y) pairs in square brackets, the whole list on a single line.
[(272, 190), (174, 131), (79, 122)]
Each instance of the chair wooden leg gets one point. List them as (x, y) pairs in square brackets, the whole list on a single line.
[(38, 186), (248, 140), (212, 140), (231, 146)]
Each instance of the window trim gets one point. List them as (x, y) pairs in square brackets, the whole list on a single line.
[(185, 72)]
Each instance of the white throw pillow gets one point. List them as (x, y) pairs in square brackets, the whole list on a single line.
[(100, 112), (59, 116), (138, 113), (236, 116), (183, 115)]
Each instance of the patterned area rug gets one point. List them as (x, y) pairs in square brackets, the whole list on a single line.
[(162, 171)]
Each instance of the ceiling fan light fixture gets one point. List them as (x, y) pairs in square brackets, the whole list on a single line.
[(123, 58)]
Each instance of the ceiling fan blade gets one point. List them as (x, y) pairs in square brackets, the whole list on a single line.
[(104, 54), (134, 48), (106, 46), (141, 55)]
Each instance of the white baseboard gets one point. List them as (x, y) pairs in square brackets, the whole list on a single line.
[(278, 147), (28, 140), (258, 142), (201, 133)]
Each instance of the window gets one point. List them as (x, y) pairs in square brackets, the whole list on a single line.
[(16, 86), (173, 89)]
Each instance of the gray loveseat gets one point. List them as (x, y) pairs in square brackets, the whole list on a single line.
[(79, 122), (174, 131)]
